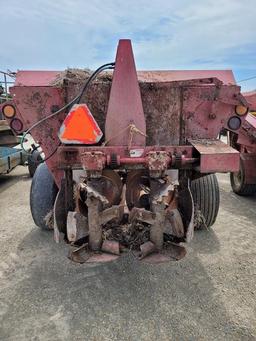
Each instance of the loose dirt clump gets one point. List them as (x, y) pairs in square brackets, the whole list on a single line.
[(129, 235), (199, 220), (49, 220)]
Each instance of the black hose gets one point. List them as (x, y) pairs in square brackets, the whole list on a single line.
[(108, 66), (93, 76)]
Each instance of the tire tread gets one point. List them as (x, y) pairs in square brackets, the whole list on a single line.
[(205, 192), (43, 192)]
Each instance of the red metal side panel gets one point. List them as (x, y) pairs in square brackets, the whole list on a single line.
[(34, 103), (206, 110), (216, 156), (35, 78)]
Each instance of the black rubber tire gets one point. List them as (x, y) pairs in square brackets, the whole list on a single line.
[(206, 196), (33, 162), (237, 181), (43, 192)]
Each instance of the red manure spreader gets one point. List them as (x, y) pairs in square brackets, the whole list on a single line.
[(243, 182), (129, 156)]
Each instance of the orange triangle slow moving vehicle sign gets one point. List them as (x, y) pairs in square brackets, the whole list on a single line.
[(80, 127)]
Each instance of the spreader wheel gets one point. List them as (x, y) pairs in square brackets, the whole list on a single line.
[(238, 184), (43, 192), (206, 196)]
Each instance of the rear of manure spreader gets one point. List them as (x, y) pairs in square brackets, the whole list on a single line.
[(129, 157)]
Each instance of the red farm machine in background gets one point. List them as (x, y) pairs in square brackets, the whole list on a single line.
[(243, 182), (129, 158)]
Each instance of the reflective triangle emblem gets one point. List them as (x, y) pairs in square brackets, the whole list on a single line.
[(80, 127)]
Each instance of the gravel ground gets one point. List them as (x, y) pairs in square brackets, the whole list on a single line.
[(209, 295)]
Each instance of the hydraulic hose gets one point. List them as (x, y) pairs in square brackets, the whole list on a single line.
[(77, 99)]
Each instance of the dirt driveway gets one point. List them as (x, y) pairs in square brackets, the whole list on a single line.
[(209, 295)]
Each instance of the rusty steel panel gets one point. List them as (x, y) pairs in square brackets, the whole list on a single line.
[(216, 156), (96, 157), (95, 160), (158, 160), (206, 110), (174, 111), (125, 105)]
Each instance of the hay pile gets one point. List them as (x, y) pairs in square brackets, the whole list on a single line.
[(79, 76)]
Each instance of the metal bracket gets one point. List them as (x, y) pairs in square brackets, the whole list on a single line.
[(98, 216)]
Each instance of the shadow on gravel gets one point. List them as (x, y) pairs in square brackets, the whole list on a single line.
[(8, 180), (206, 242), (244, 206), (56, 299)]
